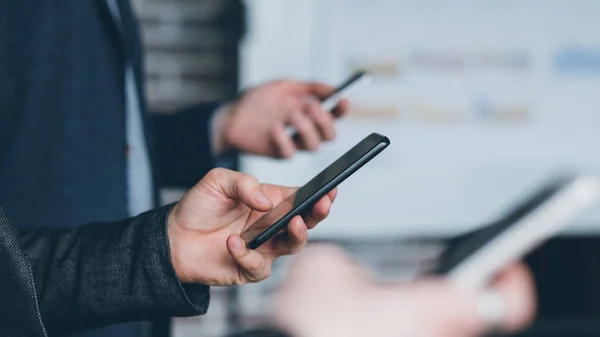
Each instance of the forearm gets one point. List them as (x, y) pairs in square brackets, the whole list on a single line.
[(107, 273)]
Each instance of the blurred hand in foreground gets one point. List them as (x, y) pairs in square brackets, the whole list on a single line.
[(327, 294)]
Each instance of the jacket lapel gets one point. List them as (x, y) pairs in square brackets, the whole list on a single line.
[(19, 308)]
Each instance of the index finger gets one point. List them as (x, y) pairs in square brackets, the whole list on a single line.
[(318, 89), (253, 265)]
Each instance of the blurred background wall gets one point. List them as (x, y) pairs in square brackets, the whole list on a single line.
[(482, 101)]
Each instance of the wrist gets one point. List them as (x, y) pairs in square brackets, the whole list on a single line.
[(219, 129), (193, 254), (177, 246), (174, 245)]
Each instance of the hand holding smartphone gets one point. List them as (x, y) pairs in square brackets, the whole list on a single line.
[(302, 201), (343, 90)]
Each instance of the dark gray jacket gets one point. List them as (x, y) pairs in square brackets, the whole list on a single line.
[(62, 118), (58, 281)]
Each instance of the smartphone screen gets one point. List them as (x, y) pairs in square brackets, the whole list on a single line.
[(302, 200)]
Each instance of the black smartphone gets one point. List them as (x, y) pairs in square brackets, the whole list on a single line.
[(302, 201), (356, 80)]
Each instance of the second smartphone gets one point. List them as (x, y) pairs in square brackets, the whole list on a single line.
[(330, 102), (473, 258)]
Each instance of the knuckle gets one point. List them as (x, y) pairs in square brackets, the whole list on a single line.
[(217, 173)]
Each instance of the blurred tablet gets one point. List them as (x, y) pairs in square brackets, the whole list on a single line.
[(474, 258)]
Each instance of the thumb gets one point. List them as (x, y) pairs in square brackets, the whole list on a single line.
[(244, 187), (253, 265)]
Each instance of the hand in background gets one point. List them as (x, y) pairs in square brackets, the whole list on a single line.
[(204, 229), (327, 294), (256, 122)]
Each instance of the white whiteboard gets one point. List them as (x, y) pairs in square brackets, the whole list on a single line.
[(482, 100)]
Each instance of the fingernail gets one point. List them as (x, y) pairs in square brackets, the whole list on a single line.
[(260, 197)]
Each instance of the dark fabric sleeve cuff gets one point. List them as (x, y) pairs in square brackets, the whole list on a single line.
[(177, 298), (183, 146)]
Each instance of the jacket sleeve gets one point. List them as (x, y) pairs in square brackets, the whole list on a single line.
[(19, 314), (108, 273), (183, 145)]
